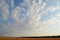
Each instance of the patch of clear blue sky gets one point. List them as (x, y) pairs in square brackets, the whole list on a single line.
[(52, 3), (18, 2), (50, 14)]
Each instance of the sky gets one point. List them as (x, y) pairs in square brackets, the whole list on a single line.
[(29, 18)]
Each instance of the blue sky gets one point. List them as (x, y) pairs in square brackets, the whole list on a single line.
[(29, 16), (18, 2)]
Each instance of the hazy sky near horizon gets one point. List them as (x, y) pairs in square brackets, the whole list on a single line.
[(29, 17)]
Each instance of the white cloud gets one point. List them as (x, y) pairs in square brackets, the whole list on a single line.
[(4, 9), (15, 13)]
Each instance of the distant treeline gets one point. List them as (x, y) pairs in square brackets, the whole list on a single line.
[(42, 37)]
